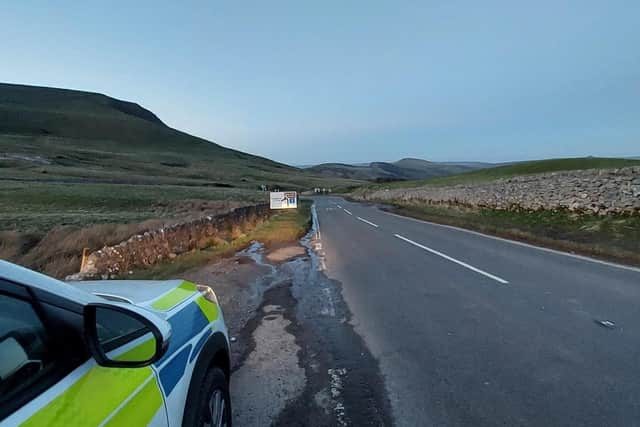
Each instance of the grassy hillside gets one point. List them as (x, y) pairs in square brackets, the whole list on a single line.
[(81, 169), (425, 169), (71, 154), (61, 135), (404, 169), (521, 168), (377, 171)]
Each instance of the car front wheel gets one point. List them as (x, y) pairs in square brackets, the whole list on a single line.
[(214, 402)]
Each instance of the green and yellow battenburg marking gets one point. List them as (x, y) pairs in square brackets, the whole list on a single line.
[(175, 296), (209, 309), (97, 394)]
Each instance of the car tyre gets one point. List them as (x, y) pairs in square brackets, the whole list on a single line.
[(213, 403)]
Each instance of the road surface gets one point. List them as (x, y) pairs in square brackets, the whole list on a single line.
[(472, 330)]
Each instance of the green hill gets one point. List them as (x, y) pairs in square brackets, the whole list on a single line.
[(522, 168), (72, 157), (402, 170), (51, 134)]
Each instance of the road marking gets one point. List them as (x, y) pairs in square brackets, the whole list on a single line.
[(368, 222), (347, 211), (315, 221), (338, 206), (317, 245), (526, 245), (336, 392), (447, 257)]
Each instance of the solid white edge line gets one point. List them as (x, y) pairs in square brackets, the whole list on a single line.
[(368, 222), (316, 220), (447, 257), (347, 211), (526, 245)]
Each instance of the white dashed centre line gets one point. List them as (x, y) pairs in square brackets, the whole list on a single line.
[(447, 257), (368, 222), (347, 211)]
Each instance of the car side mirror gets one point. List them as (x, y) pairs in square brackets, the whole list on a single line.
[(122, 335)]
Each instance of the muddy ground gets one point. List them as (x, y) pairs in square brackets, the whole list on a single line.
[(296, 359)]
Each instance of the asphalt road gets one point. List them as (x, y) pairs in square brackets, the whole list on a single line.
[(472, 330)]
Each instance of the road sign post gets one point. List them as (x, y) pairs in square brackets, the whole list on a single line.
[(283, 200)]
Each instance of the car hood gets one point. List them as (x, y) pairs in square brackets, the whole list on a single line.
[(139, 292)]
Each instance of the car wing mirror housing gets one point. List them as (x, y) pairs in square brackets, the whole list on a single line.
[(126, 336)]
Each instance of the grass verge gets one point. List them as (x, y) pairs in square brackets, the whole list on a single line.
[(41, 206), (613, 237), (283, 227)]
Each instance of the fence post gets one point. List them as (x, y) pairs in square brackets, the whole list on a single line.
[(85, 255)]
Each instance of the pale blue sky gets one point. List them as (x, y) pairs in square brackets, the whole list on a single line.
[(307, 82)]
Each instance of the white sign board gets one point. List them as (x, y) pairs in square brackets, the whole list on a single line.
[(283, 200)]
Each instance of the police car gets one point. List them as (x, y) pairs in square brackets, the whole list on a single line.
[(110, 353)]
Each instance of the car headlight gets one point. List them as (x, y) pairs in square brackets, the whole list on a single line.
[(208, 293)]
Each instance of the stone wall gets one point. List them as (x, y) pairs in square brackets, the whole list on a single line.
[(596, 191), (166, 243)]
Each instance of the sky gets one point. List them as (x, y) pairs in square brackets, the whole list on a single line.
[(352, 81)]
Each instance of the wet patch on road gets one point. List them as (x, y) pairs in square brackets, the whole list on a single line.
[(296, 359), (286, 253), (271, 376), (239, 283), (344, 382)]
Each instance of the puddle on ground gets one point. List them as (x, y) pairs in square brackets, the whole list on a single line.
[(255, 252), (271, 375), (344, 384), (299, 360), (286, 253)]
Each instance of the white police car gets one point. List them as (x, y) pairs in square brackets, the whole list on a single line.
[(116, 353)]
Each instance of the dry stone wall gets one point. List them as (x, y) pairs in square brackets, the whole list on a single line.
[(166, 243), (596, 191)]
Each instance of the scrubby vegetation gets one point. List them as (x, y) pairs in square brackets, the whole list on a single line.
[(613, 237)]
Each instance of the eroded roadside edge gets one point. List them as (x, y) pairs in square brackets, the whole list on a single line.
[(343, 384)]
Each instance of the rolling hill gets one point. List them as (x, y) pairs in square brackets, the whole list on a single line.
[(402, 170), (73, 158), (49, 134), (519, 168)]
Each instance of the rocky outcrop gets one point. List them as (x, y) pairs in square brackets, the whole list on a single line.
[(166, 243), (595, 191)]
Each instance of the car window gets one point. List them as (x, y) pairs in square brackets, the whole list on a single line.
[(25, 356)]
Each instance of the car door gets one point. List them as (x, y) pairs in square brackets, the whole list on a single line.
[(48, 378)]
